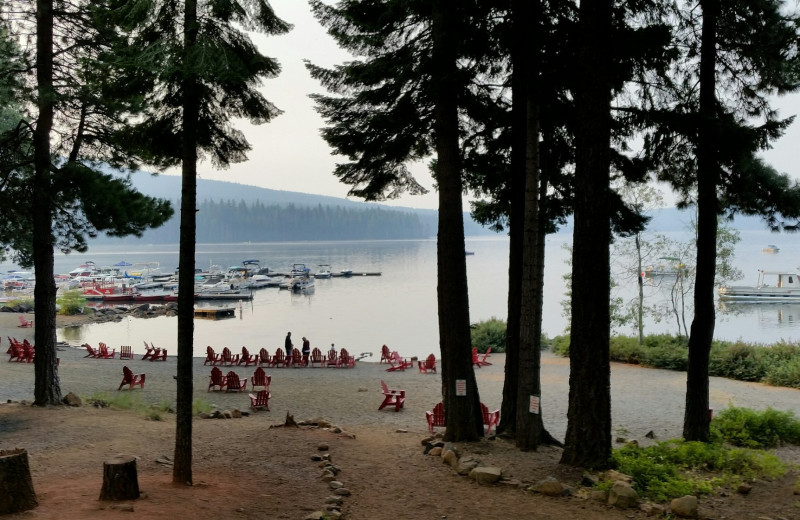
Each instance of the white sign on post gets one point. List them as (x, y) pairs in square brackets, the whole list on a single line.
[(534, 404), (461, 387)]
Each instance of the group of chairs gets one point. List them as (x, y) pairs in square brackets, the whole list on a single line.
[(341, 359), (20, 351), (398, 363), (435, 417), (232, 382), (152, 353), (101, 352), (25, 323)]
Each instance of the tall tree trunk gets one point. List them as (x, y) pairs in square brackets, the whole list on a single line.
[(463, 414), (47, 388), (696, 420), (640, 280), (588, 438), (519, 121), (182, 469), (530, 426)]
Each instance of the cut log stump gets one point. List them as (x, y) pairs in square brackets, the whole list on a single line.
[(120, 481), (16, 486)]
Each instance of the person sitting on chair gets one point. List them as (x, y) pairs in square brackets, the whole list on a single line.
[(306, 350)]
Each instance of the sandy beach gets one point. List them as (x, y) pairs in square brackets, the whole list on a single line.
[(378, 450)]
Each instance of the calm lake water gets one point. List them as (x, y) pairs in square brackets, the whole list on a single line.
[(397, 308)]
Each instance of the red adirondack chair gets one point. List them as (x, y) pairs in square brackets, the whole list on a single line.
[(479, 361), (278, 360), (217, 380), (105, 353), (297, 359), (398, 363), (260, 379), (235, 384), (396, 398), (25, 323), (28, 352), (260, 400), (429, 365), (333, 358), (159, 354), (435, 417), (386, 354), (150, 350), (227, 358), (211, 356), (92, 353), (264, 358), (247, 359), (317, 359), (345, 359), (131, 379), (15, 352), (125, 352), (490, 419)]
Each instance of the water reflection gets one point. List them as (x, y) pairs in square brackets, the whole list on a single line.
[(781, 316)]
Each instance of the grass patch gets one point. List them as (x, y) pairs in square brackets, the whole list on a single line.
[(756, 429), (201, 406)]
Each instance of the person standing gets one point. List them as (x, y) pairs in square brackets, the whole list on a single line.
[(288, 345), (306, 350)]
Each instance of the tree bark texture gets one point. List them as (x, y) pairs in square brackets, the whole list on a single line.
[(464, 420), (182, 469), (696, 420), (120, 480), (16, 486), (530, 425), (588, 437), (47, 388)]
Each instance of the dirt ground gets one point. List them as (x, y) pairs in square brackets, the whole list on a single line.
[(253, 468)]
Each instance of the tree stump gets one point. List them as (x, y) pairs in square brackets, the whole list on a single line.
[(119, 479), (16, 486)]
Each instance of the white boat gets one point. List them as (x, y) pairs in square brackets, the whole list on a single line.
[(299, 270), (302, 284), (263, 280), (772, 248), (786, 288), (323, 272)]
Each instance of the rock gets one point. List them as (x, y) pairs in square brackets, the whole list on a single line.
[(589, 480), (334, 500), (621, 440), (316, 515), (685, 506), (123, 507), (450, 457), (363, 389), (598, 495), (322, 447), (549, 486), (400, 430), (342, 491), (650, 435), (72, 399), (437, 451), (744, 488), (622, 495), (327, 476), (236, 414), (335, 484), (614, 475), (486, 474), (466, 465)]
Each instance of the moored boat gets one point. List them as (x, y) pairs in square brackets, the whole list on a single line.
[(785, 289), (323, 272)]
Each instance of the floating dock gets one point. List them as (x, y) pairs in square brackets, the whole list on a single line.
[(215, 313)]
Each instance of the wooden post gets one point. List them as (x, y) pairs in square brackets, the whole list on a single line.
[(16, 486), (120, 481)]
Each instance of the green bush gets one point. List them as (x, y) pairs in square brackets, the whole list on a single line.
[(675, 468), (489, 334), (71, 302), (754, 429), (738, 360), (625, 349), (201, 406), (666, 356), (560, 345)]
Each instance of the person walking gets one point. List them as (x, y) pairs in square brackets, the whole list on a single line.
[(288, 345), (306, 350)]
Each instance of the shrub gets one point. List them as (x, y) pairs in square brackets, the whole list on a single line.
[(667, 356), (560, 345), (71, 302), (201, 406), (741, 361), (625, 349), (753, 429), (786, 374), (489, 334)]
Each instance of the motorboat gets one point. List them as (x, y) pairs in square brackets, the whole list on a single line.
[(772, 248), (299, 270), (346, 273), (785, 288), (323, 272), (668, 266), (302, 284), (263, 280)]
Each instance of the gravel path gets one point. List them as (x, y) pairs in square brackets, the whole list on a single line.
[(642, 399)]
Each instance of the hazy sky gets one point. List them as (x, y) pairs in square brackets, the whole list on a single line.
[(289, 154)]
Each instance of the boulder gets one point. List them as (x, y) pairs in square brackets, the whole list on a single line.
[(72, 399), (549, 486), (486, 474), (685, 506), (622, 495)]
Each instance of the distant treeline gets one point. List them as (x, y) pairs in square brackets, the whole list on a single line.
[(231, 221)]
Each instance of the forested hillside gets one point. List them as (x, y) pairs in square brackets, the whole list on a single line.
[(231, 221)]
